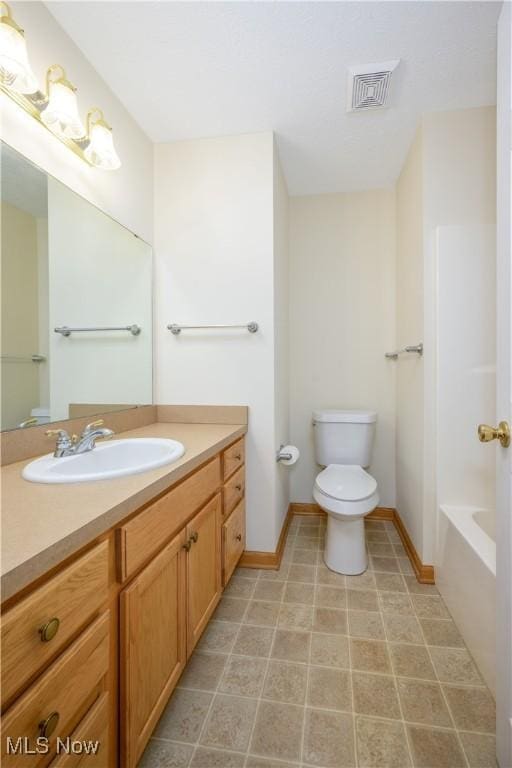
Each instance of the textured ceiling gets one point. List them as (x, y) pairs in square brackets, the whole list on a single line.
[(188, 70)]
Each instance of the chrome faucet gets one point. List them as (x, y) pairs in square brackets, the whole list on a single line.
[(91, 433), (71, 445)]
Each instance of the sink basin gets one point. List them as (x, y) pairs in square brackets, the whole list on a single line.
[(115, 458)]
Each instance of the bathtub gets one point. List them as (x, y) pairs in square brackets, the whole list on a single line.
[(466, 579)]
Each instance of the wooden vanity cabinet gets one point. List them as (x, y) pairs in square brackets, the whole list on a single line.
[(233, 541), (55, 705), (153, 649), (204, 578), (93, 728), (131, 609)]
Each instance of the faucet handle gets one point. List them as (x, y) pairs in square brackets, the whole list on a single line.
[(64, 441), (60, 433), (93, 425)]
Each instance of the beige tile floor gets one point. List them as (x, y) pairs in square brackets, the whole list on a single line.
[(304, 667)]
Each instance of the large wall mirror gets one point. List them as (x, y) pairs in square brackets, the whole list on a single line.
[(67, 265)]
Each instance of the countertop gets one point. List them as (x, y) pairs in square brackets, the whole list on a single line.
[(44, 524)]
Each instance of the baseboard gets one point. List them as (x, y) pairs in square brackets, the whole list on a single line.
[(380, 513), (298, 508), (268, 560), (424, 573)]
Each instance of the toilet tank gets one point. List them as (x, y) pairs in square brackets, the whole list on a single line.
[(344, 437)]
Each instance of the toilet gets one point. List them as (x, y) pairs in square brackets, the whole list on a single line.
[(343, 445)]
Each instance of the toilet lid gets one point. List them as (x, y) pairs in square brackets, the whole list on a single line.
[(346, 482)]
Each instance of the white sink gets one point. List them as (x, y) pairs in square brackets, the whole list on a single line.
[(115, 458)]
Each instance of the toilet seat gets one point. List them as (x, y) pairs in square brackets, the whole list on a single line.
[(346, 490), (346, 482)]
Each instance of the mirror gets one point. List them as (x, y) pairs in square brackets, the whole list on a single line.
[(66, 264)]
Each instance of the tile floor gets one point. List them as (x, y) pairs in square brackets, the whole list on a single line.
[(304, 667)]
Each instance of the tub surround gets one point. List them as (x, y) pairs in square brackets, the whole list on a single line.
[(43, 524), (466, 571)]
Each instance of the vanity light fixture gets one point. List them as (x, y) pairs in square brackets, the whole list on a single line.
[(57, 108), (15, 70), (100, 150), (60, 114)]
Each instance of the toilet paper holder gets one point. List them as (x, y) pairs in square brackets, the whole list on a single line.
[(283, 456)]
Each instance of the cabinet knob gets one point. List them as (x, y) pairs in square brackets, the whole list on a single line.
[(47, 726), (239, 537), (49, 630), (188, 545), (194, 537), (238, 456), (238, 487)]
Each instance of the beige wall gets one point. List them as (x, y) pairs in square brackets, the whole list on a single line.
[(214, 263), (342, 321), (20, 327), (409, 330), (281, 335)]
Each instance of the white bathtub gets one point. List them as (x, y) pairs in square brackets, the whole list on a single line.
[(466, 578)]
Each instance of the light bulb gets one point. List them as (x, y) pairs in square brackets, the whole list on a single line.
[(61, 113), (101, 151), (15, 70)]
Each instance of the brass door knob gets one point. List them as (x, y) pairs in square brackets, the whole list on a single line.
[(47, 726), (194, 537), (502, 433), (49, 630)]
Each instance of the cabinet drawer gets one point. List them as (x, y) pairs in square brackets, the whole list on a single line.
[(233, 541), (233, 458), (233, 491), (145, 534), (67, 689), (71, 597), (91, 730)]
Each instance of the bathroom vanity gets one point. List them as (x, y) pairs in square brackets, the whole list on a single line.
[(94, 642)]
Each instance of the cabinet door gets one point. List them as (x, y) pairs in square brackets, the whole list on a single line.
[(233, 541), (153, 645), (203, 568)]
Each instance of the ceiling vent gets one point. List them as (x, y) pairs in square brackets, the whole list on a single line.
[(368, 85)]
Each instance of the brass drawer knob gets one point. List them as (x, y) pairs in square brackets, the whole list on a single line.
[(49, 630), (238, 456), (188, 545), (47, 727), (239, 537), (194, 537), (238, 487)]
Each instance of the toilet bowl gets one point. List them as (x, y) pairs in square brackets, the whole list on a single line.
[(343, 445), (347, 493)]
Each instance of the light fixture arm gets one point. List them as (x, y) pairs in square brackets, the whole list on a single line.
[(99, 121), (6, 17), (57, 69)]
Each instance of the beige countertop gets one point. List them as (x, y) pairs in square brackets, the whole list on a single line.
[(44, 524)]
